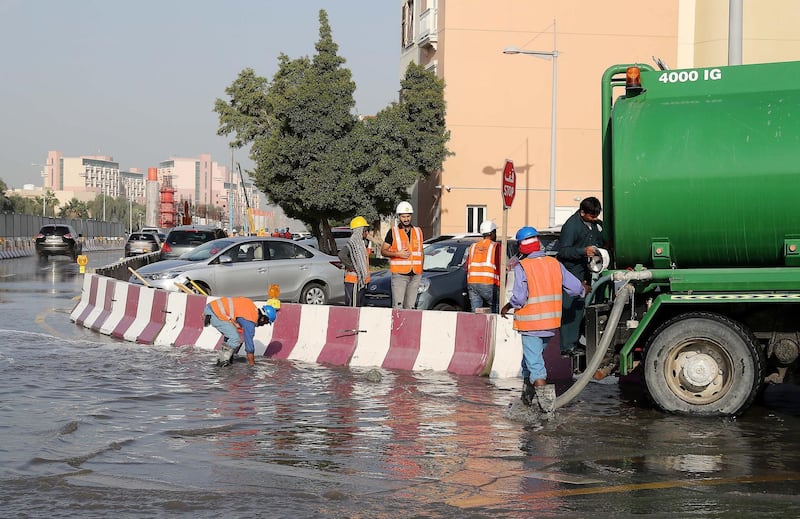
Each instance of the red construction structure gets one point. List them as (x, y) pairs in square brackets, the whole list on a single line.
[(166, 208)]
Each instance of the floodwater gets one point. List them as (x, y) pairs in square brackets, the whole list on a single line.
[(93, 427)]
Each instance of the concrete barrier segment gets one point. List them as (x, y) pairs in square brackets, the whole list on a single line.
[(90, 296), (105, 300), (83, 303), (158, 317), (118, 304)]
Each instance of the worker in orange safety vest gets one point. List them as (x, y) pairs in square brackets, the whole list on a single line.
[(355, 257), (483, 270), (536, 298), (403, 246), (232, 315)]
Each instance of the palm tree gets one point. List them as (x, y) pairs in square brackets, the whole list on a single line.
[(74, 209)]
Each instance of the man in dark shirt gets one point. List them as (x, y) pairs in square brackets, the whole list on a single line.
[(580, 237)]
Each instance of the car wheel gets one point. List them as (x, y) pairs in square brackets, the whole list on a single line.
[(314, 294), (446, 307)]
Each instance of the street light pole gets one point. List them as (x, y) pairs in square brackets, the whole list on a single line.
[(551, 55)]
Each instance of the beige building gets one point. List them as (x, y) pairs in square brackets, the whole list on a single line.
[(499, 106)]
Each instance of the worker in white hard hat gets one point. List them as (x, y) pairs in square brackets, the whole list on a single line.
[(403, 246), (483, 270)]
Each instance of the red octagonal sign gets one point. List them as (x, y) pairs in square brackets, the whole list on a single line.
[(509, 184)]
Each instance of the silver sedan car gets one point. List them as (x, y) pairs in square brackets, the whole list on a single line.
[(247, 266)]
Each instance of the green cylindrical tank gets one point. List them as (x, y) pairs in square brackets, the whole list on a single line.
[(708, 161)]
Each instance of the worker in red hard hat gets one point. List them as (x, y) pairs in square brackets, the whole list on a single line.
[(232, 316), (536, 298)]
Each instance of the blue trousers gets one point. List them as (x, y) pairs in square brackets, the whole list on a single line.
[(227, 329), (483, 295), (532, 357)]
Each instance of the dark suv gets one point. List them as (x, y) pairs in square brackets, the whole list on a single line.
[(58, 240), (184, 238)]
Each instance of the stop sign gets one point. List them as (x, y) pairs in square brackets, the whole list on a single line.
[(509, 184)]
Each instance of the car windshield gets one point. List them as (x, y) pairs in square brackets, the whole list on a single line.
[(143, 237), (52, 230), (206, 250), (443, 256)]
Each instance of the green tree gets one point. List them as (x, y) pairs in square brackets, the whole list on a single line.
[(5, 203), (313, 157), (74, 209), (116, 209), (403, 143)]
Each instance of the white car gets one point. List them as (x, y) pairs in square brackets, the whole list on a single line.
[(247, 266)]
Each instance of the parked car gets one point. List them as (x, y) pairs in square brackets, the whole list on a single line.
[(185, 238), (341, 235), (142, 243), (444, 275), (248, 265), (58, 240)]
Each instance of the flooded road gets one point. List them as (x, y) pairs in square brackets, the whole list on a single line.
[(94, 427)]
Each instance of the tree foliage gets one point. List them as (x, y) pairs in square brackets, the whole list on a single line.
[(74, 209), (117, 209), (5, 203), (314, 157)]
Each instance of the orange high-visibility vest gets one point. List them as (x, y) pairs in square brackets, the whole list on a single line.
[(351, 277), (231, 308), (482, 269), (542, 311), (401, 240)]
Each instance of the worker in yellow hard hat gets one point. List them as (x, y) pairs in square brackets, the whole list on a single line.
[(355, 257)]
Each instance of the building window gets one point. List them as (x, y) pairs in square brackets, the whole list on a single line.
[(407, 24), (475, 215)]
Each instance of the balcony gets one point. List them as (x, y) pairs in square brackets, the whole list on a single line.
[(428, 29)]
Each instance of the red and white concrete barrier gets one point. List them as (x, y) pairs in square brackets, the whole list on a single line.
[(412, 340)]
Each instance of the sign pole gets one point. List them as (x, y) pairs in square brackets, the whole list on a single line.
[(503, 261), (508, 190)]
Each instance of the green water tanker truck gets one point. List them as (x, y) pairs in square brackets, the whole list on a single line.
[(701, 180)]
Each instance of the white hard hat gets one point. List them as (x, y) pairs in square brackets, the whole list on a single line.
[(600, 261), (404, 208), (487, 226)]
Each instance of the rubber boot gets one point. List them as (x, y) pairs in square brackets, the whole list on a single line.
[(251, 359), (528, 392), (224, 355), (546, 398)]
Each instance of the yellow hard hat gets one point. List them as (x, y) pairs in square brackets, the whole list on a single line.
[(358, 221)]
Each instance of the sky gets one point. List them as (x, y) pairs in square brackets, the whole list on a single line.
[(138, 80)]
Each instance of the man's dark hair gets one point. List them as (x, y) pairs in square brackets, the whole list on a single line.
[(591, 205)]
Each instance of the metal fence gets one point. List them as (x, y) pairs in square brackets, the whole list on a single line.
[(27, 226)]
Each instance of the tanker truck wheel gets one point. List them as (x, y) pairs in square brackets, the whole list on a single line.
[(702, 364)]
